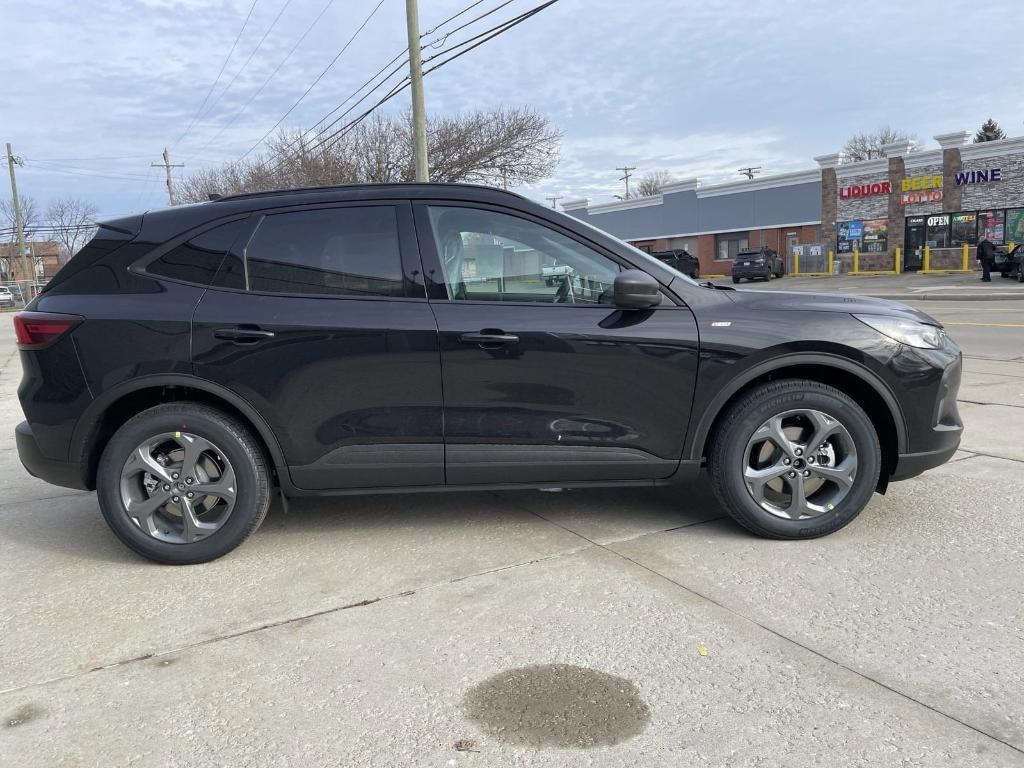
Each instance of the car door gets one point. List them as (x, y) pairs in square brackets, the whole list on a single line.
[(321, 323), (544, 379)]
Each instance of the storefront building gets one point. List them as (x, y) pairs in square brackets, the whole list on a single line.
[(942, 198)]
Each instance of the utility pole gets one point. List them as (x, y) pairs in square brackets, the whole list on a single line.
[(625, 176), (750, 171), (419, 116), (554, 199), (167, 165), (19, 225)]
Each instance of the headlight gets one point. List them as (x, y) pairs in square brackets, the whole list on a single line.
[(909, 332)]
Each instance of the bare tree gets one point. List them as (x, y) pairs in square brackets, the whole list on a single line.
[(650, 183), (29, 217), (865, 146), (72, 220), (507, 146)]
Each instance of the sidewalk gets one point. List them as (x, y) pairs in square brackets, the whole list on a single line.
[(905, 287)]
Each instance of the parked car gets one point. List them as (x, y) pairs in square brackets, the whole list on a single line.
[(1010, 263), (680, 260), (6, 297), (757, 264), (189, 363)]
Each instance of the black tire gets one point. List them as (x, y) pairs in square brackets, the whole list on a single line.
[(1020, 275), (726, 456), (735, 280), (237, 444)]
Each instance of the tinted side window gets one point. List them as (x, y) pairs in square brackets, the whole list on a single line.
[(197, 260), (331, 251)]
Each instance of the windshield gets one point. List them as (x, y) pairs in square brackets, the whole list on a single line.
[(643, 257)]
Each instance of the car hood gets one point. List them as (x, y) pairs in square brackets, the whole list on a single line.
[(825, 302)]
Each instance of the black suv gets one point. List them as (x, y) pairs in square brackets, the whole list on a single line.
[(757, 264), (680, 260), (190, 362)]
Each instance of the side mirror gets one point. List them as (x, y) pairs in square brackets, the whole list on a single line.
[(634, 289)]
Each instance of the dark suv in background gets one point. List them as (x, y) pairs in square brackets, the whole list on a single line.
[(757, 264), (680, 260), (190, 362)]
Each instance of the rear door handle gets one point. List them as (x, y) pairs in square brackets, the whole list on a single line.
[(242, 335), (492, 340)]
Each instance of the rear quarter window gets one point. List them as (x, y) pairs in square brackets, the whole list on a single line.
[(198, 260)]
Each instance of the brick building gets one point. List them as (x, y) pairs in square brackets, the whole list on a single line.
[(944, 198), (44, 261)]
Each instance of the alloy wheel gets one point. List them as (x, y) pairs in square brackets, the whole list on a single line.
[(800, 464), (178, 487)]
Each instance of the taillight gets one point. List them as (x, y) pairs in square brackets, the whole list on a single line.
[(36, 330)]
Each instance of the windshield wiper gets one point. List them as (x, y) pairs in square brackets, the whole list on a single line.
[(716, 286)]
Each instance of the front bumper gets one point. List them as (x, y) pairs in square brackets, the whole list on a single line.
[(936, 444), (62, 473)]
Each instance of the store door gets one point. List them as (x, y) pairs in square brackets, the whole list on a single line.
[(914, 242)]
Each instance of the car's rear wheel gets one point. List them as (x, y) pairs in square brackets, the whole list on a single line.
[(794, 459), (183, 483)]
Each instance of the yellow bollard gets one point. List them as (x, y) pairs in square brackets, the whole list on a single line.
[(927, 259), (796, 263), (966, 250), (830, 262), (896, 261), (856, 261)]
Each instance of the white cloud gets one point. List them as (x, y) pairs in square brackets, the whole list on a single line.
[(698, 88)]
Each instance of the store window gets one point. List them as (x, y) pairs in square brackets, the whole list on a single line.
[(682, 244), (964, 229), (938, 231), (992, 226), (729, 244), (1015, 226)]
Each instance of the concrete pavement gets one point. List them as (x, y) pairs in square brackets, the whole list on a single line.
[(644, 627), (904, 287)]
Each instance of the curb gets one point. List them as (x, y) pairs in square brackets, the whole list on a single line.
[(949, 296)]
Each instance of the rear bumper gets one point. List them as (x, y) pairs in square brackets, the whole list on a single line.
[(62, 473), (751, 272)]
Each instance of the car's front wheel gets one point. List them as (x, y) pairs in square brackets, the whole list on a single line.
[(794, 459), (183, 483)]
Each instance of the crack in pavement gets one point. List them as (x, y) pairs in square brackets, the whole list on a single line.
[(787, 638), (980, 402)]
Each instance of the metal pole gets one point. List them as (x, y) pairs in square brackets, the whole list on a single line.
[(419, 117), (19, 226)]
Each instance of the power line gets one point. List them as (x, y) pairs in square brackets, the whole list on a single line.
[(468, 8), (45, 169), (400, 66), (241, 69), (442, 40), (328, 141), (317, 80), (267, 81), (219, 74)]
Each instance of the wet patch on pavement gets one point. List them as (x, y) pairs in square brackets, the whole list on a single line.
[(558, 705), (23, 714)]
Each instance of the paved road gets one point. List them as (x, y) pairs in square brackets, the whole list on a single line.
[(381, 632)]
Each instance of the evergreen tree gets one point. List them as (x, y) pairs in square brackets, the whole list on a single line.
[(989, 131)]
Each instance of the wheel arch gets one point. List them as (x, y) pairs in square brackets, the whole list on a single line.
[(115, 406), (854, 379)]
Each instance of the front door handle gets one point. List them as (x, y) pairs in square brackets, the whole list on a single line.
[(242, 335), (489, 339)]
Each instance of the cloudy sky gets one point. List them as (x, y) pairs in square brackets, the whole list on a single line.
[(92, 91)]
